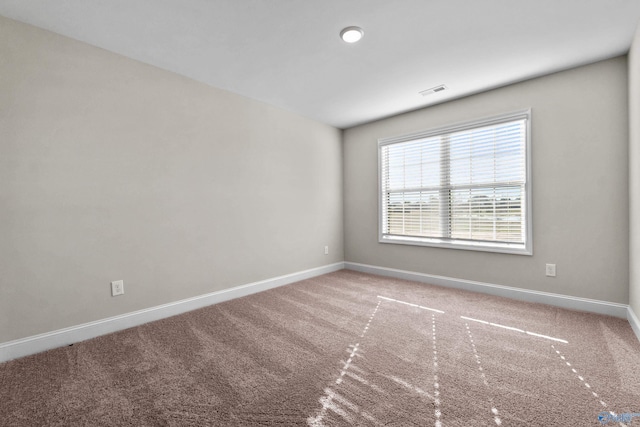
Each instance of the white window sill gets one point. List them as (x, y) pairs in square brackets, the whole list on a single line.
[(507, 248)]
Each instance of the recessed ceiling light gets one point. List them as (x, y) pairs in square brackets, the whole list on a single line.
[(351, 34)]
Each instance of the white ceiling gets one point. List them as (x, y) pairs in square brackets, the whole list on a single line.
[(288, 52)]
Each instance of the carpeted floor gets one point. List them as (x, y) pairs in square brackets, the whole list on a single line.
[(341, 349)]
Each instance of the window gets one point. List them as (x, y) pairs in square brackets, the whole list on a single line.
[(465, 186)]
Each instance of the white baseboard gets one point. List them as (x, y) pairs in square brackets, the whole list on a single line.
[(634, 322), (564, 301), (59, 338)]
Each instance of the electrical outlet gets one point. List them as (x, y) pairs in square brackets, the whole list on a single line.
[(326, 250), (117, 288), (551, 270)]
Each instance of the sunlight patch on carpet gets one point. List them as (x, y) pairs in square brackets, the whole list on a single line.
[(411, 304), (436, 384), (494, 410), (510, 328), (581, 378), (327, 401)]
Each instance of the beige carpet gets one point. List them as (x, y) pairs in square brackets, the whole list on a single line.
[(340, 349)]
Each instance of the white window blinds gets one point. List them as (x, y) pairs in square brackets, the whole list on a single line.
[(463, 186)]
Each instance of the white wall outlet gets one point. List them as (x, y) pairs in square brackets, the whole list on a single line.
[(117, 288), (551, 270), (326, 250)]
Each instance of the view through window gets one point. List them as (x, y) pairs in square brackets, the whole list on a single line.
[(464, 186)]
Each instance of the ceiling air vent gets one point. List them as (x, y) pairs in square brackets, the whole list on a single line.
[(432, 90)]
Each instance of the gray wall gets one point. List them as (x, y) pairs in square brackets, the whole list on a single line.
[(112, 169), (580, 186), (634, 173)]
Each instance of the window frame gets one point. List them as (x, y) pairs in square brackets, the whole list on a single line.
[(509, 248)]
